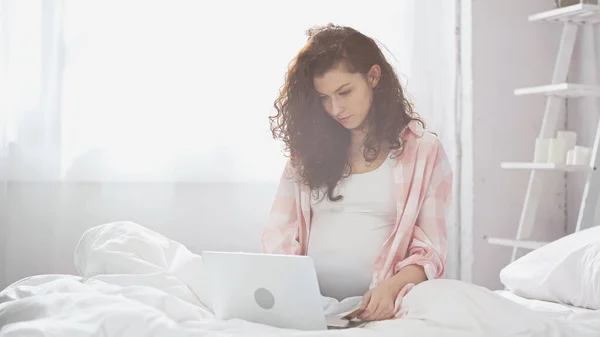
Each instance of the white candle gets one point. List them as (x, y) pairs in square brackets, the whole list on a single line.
[(571, 157), (582, 155), (557, 152), (570, 138)]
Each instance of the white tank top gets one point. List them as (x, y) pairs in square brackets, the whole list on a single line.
[(346, 236)]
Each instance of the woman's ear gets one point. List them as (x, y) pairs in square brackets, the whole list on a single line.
[(374, 75)]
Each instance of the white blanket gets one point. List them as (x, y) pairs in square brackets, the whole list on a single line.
[(135, 282)]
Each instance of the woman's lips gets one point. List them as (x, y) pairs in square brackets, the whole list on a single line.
[(345, 119)]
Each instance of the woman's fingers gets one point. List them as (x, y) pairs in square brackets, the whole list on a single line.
[(382, 312), (371, 309), (365, 301), (354, 314)]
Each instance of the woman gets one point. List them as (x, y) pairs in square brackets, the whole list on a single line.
[(366, 190)]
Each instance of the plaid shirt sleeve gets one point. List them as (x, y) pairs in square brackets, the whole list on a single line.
[(280, 236), (427, 246)]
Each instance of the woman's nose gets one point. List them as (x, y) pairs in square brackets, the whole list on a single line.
[(336, 108)]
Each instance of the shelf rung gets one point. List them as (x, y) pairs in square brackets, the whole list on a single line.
[(546, 166), (527, 244), (566, 90), (579, 13)]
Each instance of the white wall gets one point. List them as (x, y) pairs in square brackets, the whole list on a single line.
[(508, 52)]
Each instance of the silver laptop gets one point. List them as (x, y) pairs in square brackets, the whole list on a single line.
[(276, 290)]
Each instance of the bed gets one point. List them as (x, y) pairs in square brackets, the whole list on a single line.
[(135, 282), (575, 321)]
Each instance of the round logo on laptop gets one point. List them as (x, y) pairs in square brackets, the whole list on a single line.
[(264, 298)]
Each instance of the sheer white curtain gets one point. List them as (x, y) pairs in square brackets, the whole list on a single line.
[(169, 84), (430, 34), (150, 110)]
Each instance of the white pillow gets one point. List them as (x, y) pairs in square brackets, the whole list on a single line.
[(564, 271)]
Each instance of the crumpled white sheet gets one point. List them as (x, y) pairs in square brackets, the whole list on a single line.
[(135, 282)]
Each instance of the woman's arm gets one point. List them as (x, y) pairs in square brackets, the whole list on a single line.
[(280, 236), (427, 246), (426, 256), (380, 302), (412, 274)]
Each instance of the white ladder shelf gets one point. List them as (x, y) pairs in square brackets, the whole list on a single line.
[(573, 18)]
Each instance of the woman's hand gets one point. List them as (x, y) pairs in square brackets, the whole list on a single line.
[(379, 303)]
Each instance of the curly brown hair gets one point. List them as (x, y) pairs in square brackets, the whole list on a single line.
[(315, 142)]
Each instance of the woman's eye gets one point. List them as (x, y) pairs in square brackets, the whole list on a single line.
[(344, 93)]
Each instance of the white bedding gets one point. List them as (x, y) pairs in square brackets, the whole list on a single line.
[(559, 310), (135, 282)]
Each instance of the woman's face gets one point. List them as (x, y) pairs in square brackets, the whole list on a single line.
[(347, 96)]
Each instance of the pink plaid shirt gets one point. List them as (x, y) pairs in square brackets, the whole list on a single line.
[(423, 179)]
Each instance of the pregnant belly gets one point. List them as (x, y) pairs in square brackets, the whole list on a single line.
[(344, 253)]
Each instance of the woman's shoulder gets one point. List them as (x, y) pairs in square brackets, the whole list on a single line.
[(415, 135), (420, 146)]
